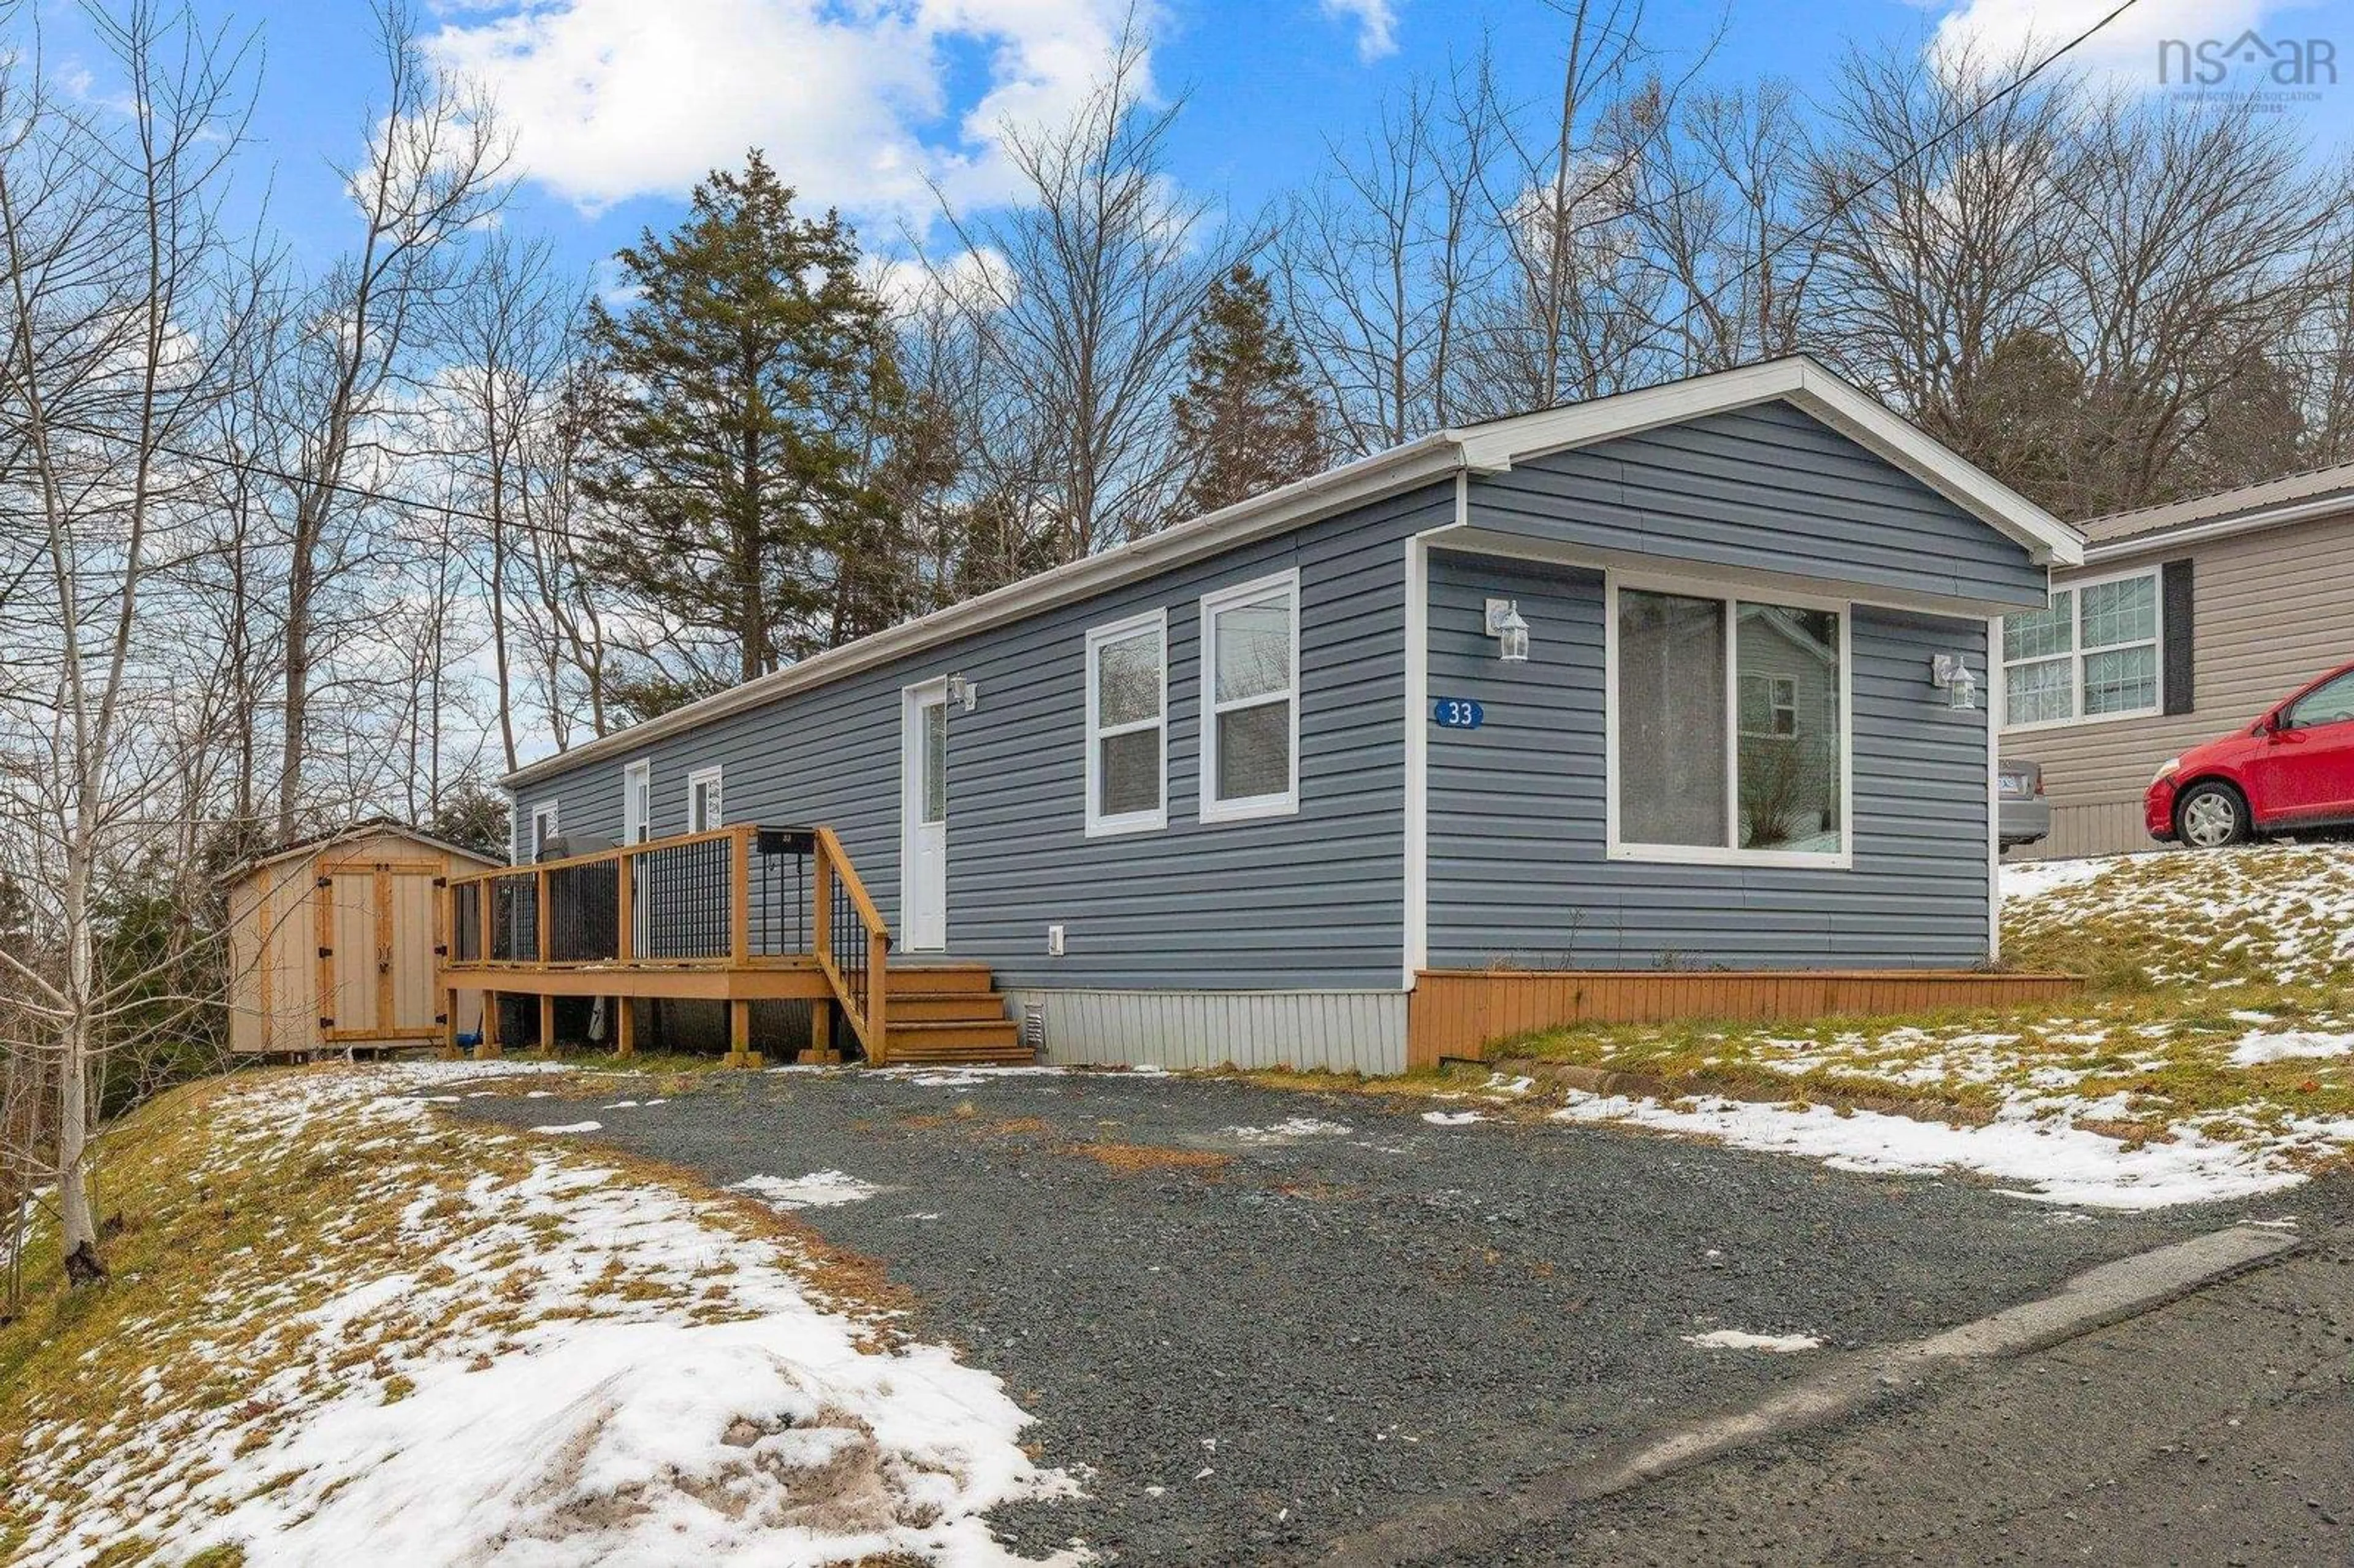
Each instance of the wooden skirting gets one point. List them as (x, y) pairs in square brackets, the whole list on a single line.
[(1462, 1012)]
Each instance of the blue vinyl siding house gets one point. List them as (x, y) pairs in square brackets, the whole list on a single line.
[(1216, 795)]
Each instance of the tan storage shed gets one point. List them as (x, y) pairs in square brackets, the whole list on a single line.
[(334, 943)]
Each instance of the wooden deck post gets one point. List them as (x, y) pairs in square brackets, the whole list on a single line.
[(548, 1024), (540, 920), (739, 909), (625, 933), (820, 1041), (739, 1036), (878, 992), (625, 1026), (449, 1024), (488, 1047)]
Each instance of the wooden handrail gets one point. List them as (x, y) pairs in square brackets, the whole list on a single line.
[(593, 855), (857, 889)]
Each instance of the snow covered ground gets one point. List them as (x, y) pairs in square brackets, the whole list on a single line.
[(546, 1361), (2222, 1068)]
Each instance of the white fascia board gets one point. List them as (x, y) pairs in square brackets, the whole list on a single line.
[(1385, 473), (1806, 384)]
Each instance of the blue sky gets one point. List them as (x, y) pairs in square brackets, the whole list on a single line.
[(619, 103)]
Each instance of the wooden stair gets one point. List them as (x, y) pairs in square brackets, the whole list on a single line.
[(949, 1015)]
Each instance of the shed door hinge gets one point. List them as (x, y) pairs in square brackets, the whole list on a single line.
[(441, 1018), (326, 953), (326, 1023), (440, 882), (441, 950), (326, 882)]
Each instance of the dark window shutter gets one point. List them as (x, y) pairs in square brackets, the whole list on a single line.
[(2174, 580)]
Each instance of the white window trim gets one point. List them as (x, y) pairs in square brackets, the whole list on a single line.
[(2075, 654), (1285, 584), (1709, 854), (718, 798), (633, 775), (1099, 825), (543, 809)]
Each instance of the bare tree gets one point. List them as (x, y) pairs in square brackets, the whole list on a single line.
[(121, 311), (1380, 256), (1082, 294), (434, 170)]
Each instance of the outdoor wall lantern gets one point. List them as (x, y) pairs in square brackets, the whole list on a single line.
[(1952, 671), (964, 693), (1510, 633)]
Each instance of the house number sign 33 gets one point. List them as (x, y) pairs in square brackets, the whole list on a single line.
[(1457, 713)]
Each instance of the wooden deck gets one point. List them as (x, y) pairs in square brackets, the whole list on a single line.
[(1460, 1013), (738, 916)]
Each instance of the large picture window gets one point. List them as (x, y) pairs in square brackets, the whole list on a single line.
[(1127, 725), (1250, 700), (2092, 654), (1729, 729)]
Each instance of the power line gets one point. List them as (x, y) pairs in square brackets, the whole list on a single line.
[(1840, 206)]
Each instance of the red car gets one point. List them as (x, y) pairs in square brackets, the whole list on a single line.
[(2293, 767)]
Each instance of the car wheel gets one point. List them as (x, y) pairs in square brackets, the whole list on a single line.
[(2211, 815)]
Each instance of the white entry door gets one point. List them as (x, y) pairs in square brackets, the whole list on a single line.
[(923, 817)]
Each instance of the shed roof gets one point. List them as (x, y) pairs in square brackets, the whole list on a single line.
[(363, 828), (1487, 448)]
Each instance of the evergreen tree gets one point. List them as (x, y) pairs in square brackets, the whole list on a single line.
[(1247, 421), (738, 453)]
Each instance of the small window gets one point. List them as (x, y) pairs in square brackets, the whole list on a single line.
[(2092, 655), (637, 802), (935, 762), (2332, 702), (704, 810), (1769, 706), (1250, 708), (1127, 725), (543, 830)]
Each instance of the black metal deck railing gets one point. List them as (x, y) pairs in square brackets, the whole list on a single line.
[(734, 897)]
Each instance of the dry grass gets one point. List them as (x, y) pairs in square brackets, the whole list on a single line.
[(1136, 1159)]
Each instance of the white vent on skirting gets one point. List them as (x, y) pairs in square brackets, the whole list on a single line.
[(1033, 1025)]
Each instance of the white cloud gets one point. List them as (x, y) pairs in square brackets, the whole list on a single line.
[(615, 99), (979, 279), (2124, 52), (1376, 24)]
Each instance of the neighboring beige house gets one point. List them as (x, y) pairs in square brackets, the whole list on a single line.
[(2185, 620)]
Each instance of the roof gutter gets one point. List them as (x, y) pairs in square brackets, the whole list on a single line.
[(1388, 472)]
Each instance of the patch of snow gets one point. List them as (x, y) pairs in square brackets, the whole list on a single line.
[(748, 1424), (2034, 878), (818, 1190), (1737, 1339), (2058, 1163), (2296, 1044), (1292, 1128), (571, 1127), (1452, 1119), (620, 1105)]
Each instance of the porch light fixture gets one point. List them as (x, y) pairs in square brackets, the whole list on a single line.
[(1510, 633), (1952, 671), (964, 693)]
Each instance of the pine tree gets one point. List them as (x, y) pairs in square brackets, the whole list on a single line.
[(1247, 421), (750, 400)]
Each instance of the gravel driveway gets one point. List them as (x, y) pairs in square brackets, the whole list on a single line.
[(1253, 1320)]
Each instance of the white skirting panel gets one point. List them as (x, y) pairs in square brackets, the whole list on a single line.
[(1339, 1031)]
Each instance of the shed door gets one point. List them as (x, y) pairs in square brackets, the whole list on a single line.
[(378, 931)]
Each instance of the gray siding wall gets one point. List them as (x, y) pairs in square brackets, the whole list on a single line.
[(1770, 488), (1313, 901), (1517, 836)]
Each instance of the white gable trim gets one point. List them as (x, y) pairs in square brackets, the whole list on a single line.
[(1805, 385)]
